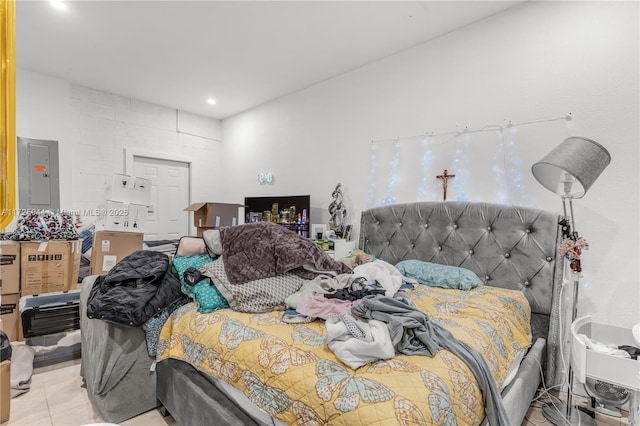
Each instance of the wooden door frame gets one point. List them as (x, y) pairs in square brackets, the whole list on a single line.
[(130, 154)]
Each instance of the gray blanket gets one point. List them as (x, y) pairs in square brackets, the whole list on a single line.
[(413, 333), (262, 249)]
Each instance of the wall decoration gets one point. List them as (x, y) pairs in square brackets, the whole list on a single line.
[(445, 181), (402, 169), (265, 178), (337, 212)]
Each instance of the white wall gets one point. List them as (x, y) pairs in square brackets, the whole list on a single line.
[(95, 130), (539, 59), (42, 112)]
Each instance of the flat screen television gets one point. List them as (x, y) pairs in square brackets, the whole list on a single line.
[(292, 212)]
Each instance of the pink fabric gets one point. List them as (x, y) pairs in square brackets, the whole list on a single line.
[(320, 307)]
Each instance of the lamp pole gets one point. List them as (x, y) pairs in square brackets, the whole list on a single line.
[(551, 411)]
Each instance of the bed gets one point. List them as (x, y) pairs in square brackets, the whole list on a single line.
[(230, 367)]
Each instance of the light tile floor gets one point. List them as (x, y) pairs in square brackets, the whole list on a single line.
[(535, 417), (57, 398)]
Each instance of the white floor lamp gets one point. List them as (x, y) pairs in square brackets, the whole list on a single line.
[(569, 170)]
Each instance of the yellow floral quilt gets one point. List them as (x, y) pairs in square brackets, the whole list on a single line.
[(288, 371)]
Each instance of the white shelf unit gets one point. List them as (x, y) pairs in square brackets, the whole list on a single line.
[(624, 372)]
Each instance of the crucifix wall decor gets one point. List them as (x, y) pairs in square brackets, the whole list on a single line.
[(445, 177)]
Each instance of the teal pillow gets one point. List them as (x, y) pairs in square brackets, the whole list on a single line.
[(436, 275), (206, 296)]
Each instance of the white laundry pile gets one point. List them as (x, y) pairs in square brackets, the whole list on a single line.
[(370, 341)]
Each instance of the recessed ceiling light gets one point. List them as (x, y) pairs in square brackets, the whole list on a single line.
[(211, 101), (59, 5)]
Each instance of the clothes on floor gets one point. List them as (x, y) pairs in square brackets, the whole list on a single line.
[(21, 369)]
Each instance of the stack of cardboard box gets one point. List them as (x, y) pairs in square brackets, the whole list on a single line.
[(120, 228), (29, 268), (126, 203), (10, 287)]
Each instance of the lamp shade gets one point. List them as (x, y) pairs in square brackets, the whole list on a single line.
[(571, 168)]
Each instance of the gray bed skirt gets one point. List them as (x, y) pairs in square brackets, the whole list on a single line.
[(115, 366), (192, 399)]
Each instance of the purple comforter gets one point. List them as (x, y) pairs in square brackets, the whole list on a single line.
[(260, 250)]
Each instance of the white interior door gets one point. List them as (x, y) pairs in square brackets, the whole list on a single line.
[(170, 189)]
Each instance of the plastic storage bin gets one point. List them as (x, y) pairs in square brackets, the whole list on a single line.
[(619, 371)]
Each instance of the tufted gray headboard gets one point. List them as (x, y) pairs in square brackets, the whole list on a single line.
[(506, 246)]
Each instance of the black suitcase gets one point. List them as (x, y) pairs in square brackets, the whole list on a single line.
[(50, 313)]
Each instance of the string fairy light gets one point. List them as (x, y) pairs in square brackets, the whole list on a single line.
[(514, 171), (460, 163), (390, 197), (499, 172), (426, 162), (372, 174), (508, 176)]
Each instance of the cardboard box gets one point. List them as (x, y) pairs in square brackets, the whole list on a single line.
[(76, 253), (136, 218), (200, 230), (10, 315), (141, 192), (110, 247), (120, 188), (9, 267), (48, 266), (129, 189), (215, 215), (122, 217), (5, 391), (113, 216)]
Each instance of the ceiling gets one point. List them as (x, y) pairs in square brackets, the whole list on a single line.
[(240, 53)]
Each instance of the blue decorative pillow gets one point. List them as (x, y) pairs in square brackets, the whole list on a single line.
[(436, 275), (206, 296)]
